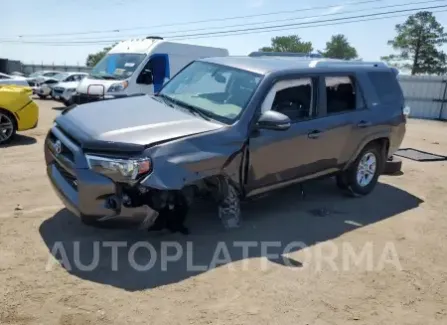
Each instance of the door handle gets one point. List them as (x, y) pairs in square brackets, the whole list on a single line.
[(315, 134), (364, 124)]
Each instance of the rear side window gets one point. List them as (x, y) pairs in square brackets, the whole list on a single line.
[(387, 87), (340, 94)]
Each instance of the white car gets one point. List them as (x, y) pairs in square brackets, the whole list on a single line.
[(7, 79), (64, 91), (46, 88)]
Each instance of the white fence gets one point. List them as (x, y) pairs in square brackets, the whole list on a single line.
[(426, 96)]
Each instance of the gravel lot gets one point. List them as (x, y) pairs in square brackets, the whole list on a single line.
[(401, 228)]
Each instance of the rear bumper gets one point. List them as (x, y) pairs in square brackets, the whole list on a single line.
[(396, 138), (27, 117), (87, 194), (43, 91)]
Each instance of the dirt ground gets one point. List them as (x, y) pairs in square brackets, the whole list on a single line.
[(321, 279)]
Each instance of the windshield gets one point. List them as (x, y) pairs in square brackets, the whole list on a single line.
[(36, 74), (60, 76), (117, 65), (218, 91)]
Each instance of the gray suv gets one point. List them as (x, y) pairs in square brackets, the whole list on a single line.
[(228, 129)]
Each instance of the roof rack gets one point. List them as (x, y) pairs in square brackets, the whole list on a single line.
[(331, 63), (288, 54), (154, 37)]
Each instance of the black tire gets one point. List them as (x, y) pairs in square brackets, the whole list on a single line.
[(11, 117), (229, 208), (341, 181), (349, 177), (42, 96), (392, 166)]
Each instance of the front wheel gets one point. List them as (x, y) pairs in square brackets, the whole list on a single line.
[(362, 176), (42, 96), (229, 208)]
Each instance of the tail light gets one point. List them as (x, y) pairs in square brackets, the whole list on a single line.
[(406, 111)]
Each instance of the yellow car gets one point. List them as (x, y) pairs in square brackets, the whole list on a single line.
[(18, 111)]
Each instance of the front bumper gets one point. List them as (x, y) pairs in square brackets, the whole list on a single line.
[(79, 98), (27, 117), (87, 194), (67, 96)]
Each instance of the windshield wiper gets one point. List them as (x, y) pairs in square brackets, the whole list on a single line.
[(189, 107), (164, 99)]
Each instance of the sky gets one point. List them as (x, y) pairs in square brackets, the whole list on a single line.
[(138, 18)]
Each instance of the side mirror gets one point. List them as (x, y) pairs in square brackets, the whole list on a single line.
[(272, 120), (145, 77)]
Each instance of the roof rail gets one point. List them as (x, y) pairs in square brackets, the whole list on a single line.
[(288, 54), (154, 37), (326, 63)]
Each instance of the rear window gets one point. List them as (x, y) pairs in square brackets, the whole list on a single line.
[(387, 87)]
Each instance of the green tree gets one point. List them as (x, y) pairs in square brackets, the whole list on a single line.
[(339, 48), (94, 58), (291, 43), (418, 42)]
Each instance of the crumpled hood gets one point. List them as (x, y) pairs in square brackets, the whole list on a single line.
[(139, 120)]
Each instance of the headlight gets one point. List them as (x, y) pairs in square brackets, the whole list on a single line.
[(128, 168), (117, 87), (70, 90)]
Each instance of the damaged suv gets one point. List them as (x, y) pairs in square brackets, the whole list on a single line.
[(228, 129)]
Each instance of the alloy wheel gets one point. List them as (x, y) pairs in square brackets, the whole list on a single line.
[(6, 127), (366, 169)]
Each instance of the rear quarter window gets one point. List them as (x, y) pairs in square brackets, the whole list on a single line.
[(387, 87)]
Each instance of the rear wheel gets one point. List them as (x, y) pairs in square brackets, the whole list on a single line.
[(8, 127), (362, 176)]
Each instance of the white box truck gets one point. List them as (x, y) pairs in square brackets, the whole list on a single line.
[(138, 66)]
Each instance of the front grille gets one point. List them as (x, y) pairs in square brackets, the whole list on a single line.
[(58, 91), (71, 179), (84, 98)]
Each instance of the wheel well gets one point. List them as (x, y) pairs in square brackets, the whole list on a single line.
[(14, 119), (383, 144)]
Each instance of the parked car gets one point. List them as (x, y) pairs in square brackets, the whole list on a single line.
[(46, 88), (35, 79), (6, 79), (18, 111), (230, 128)]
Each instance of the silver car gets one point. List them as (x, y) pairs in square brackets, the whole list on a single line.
[(46, 88)]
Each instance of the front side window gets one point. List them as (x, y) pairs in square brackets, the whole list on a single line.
[(117, 66), (294, 98), (340, 94), (219, 91)]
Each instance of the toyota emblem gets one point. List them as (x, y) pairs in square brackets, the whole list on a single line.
[(58, 147)]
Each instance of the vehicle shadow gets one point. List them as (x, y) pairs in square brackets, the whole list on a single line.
[(59, 108), (19, 140), (282, 217)]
